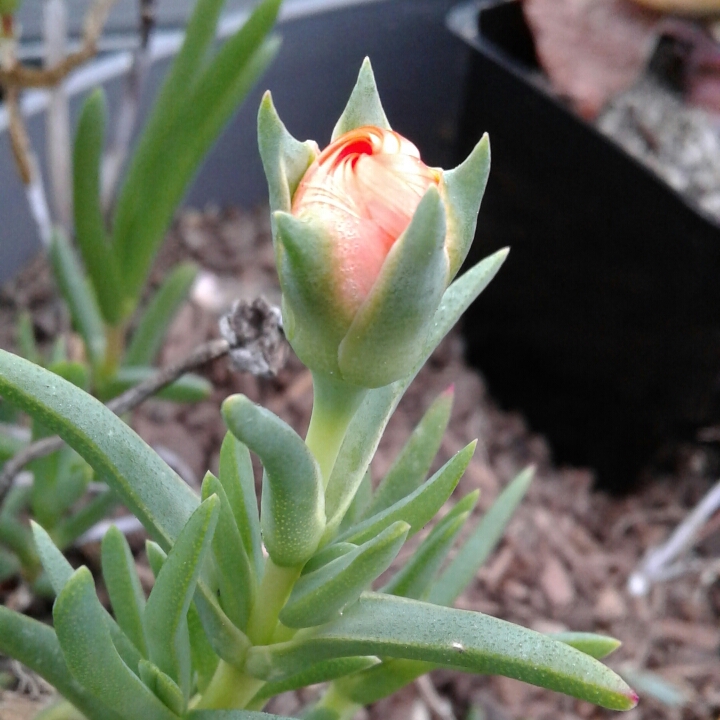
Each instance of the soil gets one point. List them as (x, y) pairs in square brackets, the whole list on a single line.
[(565, 559)]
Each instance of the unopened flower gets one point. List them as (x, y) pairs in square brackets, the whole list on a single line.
[(367, 239)]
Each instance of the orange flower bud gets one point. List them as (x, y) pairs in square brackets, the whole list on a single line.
[(363, 189)]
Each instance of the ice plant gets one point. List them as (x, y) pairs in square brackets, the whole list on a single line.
[(368, 240)]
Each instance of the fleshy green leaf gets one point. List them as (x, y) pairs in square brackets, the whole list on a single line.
[(462, 190), (71, 528), (123, 586), (238, 481), (80, 299), (36, 646), (359, 505), (226, 640), (388, 626), (326, 555), (597, 646), (59, 572), (89, 224), (154, 186), (204, 659), (285, 159), (26, 338), (378, 682), (189, 388), (156, 319), (364, 106), (147, 486), (92, 657), (387, 335), (162, 686), (415, 577), (413, 463), (235, 576), (418, 508), (293, 509), (320, 596), (476, 549), (167, 607), (233, 715), (318, 673)]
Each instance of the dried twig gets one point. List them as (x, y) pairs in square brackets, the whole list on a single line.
[(663, 563), (18, 75), (439, 706), (257, 347)]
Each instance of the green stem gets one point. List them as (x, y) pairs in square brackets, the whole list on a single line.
[(114, 350), (229, 688), (334, 406), (274, 590)]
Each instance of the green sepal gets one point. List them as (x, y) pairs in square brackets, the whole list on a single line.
[(285, 159), (322, 595), (476, 549), (157, 317), (389, 626), (92, 657), (364, 106), (59, 572), (459, 296), (310, 285), (162, 686), (596, 646), (78, 295), (167, 607), (326, 555), (189, 388), (235, 576), (462, 190), (36, 646), (146, 485), (413, 463), (415, 577), (293, 504), (238, 480), (90, 231), (418, 508), (387, 336), (123, 586), (318, 673)]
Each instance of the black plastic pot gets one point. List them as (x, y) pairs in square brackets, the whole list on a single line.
[(603, 325)]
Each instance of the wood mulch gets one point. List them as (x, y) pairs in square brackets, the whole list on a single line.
[(566, 556)]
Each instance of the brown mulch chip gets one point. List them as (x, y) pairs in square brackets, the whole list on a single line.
[(567, 554)]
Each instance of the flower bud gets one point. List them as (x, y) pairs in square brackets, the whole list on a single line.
[(367, 239)]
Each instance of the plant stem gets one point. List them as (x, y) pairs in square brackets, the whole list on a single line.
[(229, 688), (274, 590), (334, 406)]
